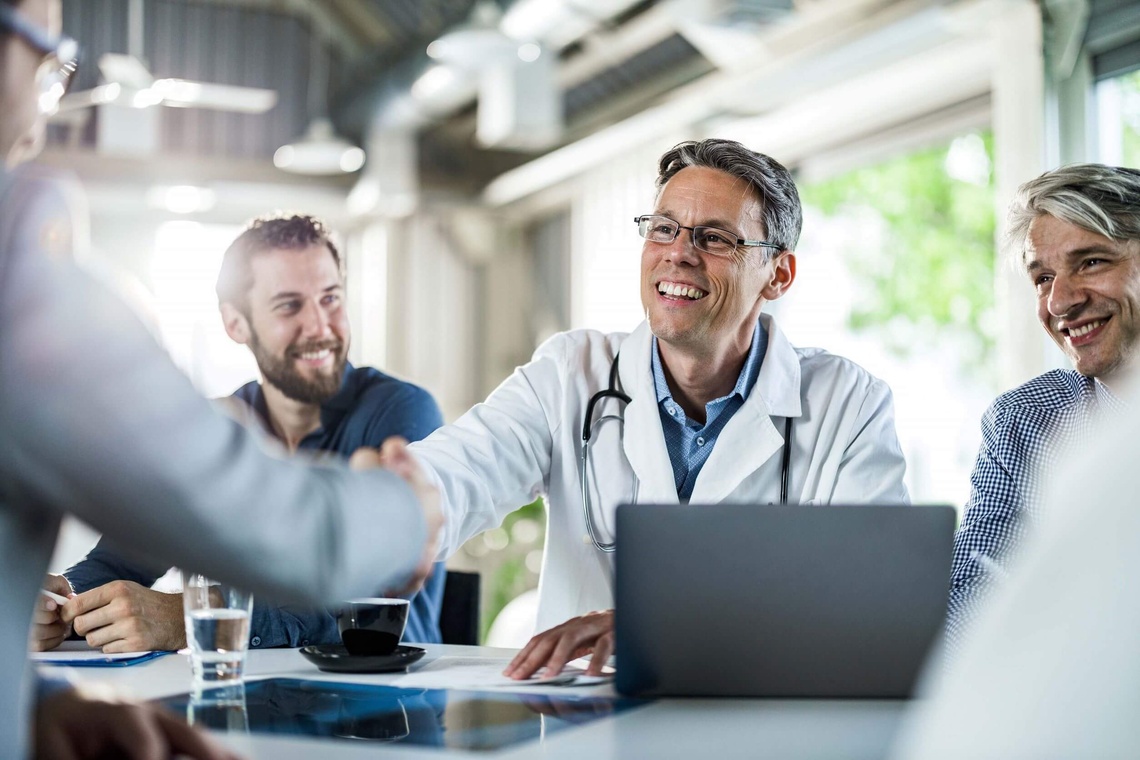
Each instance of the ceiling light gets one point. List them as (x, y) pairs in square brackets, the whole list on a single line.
[(475, 43), (320, 151)]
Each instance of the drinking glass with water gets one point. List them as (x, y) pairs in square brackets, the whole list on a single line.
[(217, 629)]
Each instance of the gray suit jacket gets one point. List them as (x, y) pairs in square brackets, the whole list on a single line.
[(96, 421)]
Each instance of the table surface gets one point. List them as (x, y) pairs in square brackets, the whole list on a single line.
[(667, 728)]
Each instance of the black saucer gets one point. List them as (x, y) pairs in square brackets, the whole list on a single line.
[(334, 658)]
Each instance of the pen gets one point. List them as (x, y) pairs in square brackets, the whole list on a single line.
[(54, 596)]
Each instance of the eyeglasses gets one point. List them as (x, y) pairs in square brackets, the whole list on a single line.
[(61, 56), (718, 242)]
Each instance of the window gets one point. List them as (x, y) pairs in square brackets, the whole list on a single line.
[(895, 271), (1118, 119), (184, 269)]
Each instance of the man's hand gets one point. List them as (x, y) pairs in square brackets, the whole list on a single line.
[(593, 633), (393, 455), (48, 628), (73, 726), (122, 616)]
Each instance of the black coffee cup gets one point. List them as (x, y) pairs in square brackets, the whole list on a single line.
[(371, 627)]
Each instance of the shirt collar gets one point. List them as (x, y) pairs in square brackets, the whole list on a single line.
[(332, 411), (744, 382)]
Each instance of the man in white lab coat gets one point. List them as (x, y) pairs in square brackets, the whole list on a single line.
[(714, 389)]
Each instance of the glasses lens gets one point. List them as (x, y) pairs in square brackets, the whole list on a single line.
[(54, 78), (52, 86), (712, 240), (657, 229)]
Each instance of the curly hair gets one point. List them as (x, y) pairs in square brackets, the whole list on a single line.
[(291, 232)]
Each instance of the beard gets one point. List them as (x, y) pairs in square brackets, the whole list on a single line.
[(282, 372)]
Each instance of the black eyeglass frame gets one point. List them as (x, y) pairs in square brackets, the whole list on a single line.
[(62, 48), (739, 242)]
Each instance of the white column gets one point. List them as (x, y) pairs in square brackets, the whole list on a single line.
[(1019, 148), (367, 274)]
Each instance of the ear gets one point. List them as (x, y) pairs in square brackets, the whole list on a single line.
[(237, 326), (783, 275)]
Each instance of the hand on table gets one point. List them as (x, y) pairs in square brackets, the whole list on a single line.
[(592, 633), (393, 455), (71, 725), (123, 616), (48, 628)]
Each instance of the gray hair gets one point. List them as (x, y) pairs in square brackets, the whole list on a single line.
[(780, 201), (1104, 200)]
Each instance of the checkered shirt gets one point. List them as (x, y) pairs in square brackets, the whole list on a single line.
[(1024, 434), (688, 442)]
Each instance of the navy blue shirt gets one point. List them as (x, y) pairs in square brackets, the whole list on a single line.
[(369, 407)]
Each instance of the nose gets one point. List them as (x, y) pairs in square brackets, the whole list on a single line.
[(314, 321), (1065, 296), (682, 250)]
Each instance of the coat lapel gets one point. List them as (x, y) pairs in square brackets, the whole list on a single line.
[(750, 438), (644, 440)]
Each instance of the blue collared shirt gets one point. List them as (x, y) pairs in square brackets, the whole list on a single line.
[(1026, 433), (369, 407), (689, 443)]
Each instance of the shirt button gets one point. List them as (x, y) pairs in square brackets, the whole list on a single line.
[(586, 538), (304, 642), (255, 641), (700, 441)]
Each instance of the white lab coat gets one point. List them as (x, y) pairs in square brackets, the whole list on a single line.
[(526, 441)]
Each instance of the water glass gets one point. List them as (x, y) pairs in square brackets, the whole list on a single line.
[(217, 629)]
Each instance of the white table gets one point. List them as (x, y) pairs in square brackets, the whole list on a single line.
[(668, 728)]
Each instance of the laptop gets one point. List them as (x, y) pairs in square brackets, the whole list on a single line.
[(778, 601)]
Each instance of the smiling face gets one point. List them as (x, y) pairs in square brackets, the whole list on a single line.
[(295, 322), (697, 302), (1088, 294)]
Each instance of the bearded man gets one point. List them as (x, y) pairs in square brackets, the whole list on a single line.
[(280, 292)]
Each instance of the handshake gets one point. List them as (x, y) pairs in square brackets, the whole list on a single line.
[(124, 616), (393, 455)]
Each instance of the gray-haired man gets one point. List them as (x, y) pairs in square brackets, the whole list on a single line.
[(1075, 232), (708, 388)]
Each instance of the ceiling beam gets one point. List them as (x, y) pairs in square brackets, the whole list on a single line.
[(330, 27), (355, 15)]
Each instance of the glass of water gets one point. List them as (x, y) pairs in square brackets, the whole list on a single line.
[(217, 630)]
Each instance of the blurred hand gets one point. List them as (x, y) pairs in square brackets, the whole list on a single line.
[(393, 455), (592, 633), (70, 725), (123, 616), (48, 628)]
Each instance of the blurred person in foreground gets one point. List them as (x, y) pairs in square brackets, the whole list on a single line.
[(1051, 666), (1075, 233), (95, 421), (715, 402), (281, 293)]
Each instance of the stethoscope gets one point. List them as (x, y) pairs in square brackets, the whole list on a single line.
[(612, 390)]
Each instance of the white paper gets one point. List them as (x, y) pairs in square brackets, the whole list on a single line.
[(80, 650), (481, 673)]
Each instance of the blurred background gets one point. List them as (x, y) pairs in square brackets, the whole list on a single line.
[(482, 162)]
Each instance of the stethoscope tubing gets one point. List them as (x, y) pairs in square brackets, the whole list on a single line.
[(612, 391)]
